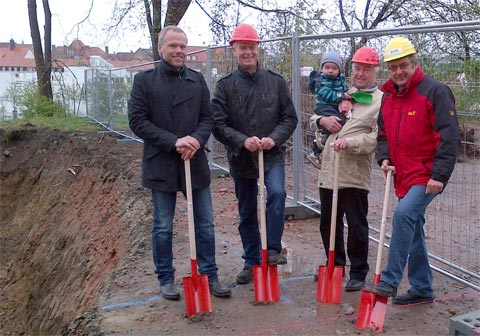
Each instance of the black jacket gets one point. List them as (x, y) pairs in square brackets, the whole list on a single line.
[(165, 105), (246, 105)]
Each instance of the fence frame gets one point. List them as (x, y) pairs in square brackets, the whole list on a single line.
[(468, 277)]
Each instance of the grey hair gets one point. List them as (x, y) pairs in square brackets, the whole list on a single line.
[(413, 58), (166, 29)]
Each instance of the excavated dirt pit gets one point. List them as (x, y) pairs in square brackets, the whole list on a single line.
[(76, 259)]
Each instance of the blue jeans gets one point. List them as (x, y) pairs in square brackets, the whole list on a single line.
[(162, 231), (246, 191), (408, 243)]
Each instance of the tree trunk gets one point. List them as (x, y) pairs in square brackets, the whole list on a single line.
[(175, 11), (43, 63)]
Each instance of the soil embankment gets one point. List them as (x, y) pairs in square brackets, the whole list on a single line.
[(65, 224)]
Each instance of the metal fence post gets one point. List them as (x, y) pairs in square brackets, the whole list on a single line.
[(208, 79), (297, 135), (110, 99)]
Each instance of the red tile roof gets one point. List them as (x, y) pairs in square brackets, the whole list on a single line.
[(78, 54)]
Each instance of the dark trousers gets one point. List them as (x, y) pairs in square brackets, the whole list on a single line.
[(353, 203)]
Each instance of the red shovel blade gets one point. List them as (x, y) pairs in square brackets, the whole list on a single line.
[(329, 289), (197, 293), (371, 313), (265, 281), (378, 314)]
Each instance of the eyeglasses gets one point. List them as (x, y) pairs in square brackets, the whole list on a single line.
[(402, 66)]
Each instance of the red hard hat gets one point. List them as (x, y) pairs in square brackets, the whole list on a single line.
[(244, 32), (366, 55)]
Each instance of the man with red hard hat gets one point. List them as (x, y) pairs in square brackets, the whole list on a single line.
[(418, 134), (253, 111), (356, 142)]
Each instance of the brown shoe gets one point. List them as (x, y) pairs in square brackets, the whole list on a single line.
[(316, 161)]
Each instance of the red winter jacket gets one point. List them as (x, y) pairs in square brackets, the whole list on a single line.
[(418, 131)]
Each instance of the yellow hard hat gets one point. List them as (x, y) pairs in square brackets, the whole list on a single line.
[(398, 47)]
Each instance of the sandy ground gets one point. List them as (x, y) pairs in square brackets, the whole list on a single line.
[(76, 257)]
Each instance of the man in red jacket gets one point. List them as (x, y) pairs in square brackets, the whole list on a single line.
[(418, 134)]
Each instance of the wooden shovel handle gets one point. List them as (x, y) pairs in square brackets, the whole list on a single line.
[(333, 218), (191, 222), (261, 189), (383, 225)]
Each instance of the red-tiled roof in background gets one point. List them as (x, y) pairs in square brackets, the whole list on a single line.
[(18, 56), (78, 54)]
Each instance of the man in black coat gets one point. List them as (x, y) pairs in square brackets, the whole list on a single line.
[(169, 109), (253, 110)]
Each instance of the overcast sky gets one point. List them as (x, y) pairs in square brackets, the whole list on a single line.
[(66, 13)]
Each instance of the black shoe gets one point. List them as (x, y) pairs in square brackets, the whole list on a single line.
[(354, 285), (216, 289), (245, 276), (383, 289), (275, 258), (411, 298), (170, 292)]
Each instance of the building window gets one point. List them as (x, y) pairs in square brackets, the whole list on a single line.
[(24, 68), (194, 58)]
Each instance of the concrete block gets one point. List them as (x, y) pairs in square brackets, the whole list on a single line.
[(465, 325)]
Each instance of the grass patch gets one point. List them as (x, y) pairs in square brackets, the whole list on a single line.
[(68, 123)]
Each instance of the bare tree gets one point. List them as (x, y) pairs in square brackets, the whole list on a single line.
[(371, 16), (175, 11), (42, 56), (460, 43)]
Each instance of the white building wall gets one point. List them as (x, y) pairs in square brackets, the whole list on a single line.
[(72, 76)]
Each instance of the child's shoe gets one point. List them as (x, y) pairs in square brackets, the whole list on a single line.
[(315, 160)]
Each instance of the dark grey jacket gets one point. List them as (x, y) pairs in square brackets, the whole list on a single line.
[(160, 113), (246, 105)]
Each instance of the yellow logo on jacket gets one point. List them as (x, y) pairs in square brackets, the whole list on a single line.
[(411, 113)]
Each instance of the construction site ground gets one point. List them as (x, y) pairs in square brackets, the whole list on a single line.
[(76, 256)]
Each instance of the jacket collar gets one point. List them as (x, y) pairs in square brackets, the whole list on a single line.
[(369, 89), (244, 73), (169, 71)]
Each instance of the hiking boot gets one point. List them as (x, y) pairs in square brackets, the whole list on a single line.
[(315, 160), (245, 276), (170, 292), (411, 298), (216, 289), (383, 289), (275, 258), (354, 285)]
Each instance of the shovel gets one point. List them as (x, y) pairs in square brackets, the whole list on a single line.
[(371, 313), (197, 291), (265, 277), (330, 277)]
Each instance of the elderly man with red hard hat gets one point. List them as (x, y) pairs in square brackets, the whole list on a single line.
[(253, 111), (418, 134), (356, 142)]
